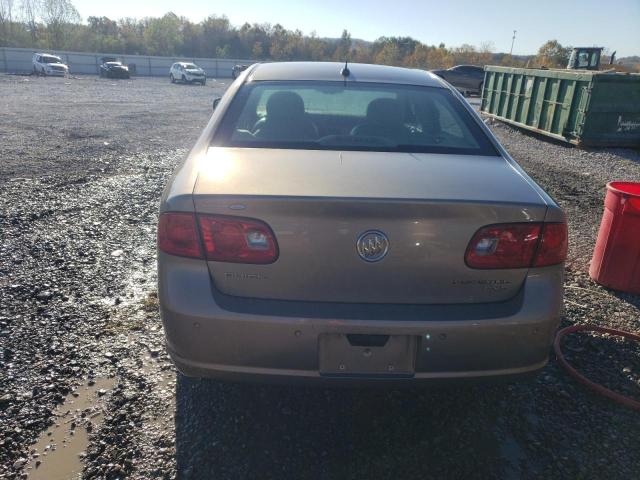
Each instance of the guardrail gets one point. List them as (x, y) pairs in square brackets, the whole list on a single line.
[(19, 60)]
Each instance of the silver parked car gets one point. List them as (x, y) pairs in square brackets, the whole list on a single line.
[(187, 73), (355, 224)]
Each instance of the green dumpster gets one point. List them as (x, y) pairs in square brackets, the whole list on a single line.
[(585, 108)]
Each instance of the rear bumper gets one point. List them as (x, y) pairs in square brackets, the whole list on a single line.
[(206, 340), (235, 373)]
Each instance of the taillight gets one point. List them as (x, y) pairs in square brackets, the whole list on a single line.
[(517, 245), (225, 239), (178, 235), (553, 245), (237, 240), (503, 246)]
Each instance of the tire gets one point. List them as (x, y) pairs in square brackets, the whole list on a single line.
[(173, 80), (184, 79), (44, 74)]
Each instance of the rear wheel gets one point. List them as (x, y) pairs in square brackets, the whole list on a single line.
[(184, 79), (44, 74), (173, 80)]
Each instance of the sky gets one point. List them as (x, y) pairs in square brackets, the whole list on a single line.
[(614, 24)]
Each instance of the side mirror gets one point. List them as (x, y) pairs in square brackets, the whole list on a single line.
[(216, 101)]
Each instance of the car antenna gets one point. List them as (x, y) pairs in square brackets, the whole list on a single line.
[(345, 72)]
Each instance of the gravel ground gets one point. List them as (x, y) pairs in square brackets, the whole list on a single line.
[(81, 344)]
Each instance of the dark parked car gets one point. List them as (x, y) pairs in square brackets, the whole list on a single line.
[(238, 69), (468, 78), (113, 68)]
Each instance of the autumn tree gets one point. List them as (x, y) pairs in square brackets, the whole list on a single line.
[(58, 16), (6, 21), (30, 11), (553, 54), (343, 50), (55, 24), (163, 36)]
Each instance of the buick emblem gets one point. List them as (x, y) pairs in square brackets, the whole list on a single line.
[(372, 245)]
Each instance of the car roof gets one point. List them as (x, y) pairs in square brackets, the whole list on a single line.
[(330, 71)]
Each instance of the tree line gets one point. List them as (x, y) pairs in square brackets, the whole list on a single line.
[(56, 24)]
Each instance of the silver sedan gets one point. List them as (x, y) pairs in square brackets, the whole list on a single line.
[(359, 223)]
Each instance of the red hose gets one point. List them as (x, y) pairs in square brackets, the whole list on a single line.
[(617, 397)]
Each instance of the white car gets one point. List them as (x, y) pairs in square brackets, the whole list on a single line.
[(47, 64), (187, 73)]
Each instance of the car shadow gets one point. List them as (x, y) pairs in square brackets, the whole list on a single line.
[(228, 430)]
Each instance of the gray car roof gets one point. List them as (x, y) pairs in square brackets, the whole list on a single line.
[(330, 71)]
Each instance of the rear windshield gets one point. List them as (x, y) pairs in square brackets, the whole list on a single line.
[(352, 116)]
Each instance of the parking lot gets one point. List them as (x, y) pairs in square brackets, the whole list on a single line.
[(82, 357)]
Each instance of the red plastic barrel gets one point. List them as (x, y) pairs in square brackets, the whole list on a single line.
[(616, 258)]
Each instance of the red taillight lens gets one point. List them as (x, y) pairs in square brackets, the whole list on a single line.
[(553, 245), (237, 240), (178, 235), (503, 246), (518, 245)]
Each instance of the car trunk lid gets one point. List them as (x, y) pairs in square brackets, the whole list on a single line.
[(319, 203)]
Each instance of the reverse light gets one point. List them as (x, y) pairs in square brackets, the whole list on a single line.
[(517, 245)]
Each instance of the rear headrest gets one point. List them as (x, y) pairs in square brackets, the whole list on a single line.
[(285, 104), (428, 115), (385, 111)]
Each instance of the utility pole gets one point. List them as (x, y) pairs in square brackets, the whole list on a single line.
[(513, 39)]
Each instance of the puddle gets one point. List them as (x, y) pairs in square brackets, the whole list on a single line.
[(57, 453)]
